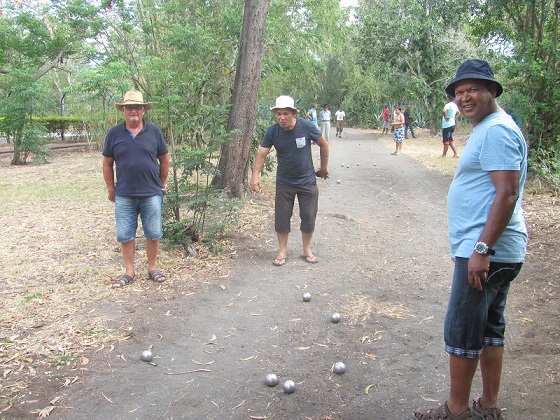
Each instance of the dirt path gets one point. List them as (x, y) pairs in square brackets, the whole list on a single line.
[(384, 266)]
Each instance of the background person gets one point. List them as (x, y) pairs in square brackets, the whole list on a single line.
[(408, 120), (340, 117), (295, 174), (326, 117), (398, 133), (312, 115), (448, 120), (488, 241), (385, 118), (138, 150)]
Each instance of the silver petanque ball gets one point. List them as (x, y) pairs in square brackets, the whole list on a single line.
[(271, 379), (289, 386), (347, 166), (342, 165), (146, 356), (339, 368), (338, 182), (336, 317), (306, 297)]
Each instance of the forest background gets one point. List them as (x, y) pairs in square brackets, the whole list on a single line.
[(64, 63)]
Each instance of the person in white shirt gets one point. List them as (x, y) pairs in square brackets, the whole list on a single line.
[(325, 116), (340, 117)]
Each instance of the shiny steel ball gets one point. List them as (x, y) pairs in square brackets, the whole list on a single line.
[(146, 356), (347, 166), (338, 182), (339, 368), (271, 379), (336, 317), (289, 386), (306, 297)]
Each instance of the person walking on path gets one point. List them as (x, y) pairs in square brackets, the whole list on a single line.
[(295, 174), (408, 120), (448, 120), (398, 134), (326, 117), (312, 115), (488, 239), (340, 117), (139, 152), (385, 118)]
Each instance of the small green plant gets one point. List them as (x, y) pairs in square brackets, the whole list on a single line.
[(29, 298)]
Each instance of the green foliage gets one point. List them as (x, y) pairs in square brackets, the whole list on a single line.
[(530, 73)]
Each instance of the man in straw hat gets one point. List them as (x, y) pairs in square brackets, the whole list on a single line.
[(295, 175), (138, 150), (488, 241)]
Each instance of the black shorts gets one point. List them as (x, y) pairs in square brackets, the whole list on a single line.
[(308, 199)]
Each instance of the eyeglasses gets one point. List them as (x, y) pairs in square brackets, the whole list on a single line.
[(133, 107)]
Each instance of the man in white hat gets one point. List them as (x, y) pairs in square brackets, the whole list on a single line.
[(139, 152), (295, 174)]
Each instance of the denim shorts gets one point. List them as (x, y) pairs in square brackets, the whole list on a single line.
[(475, 318), (127, 210), (308, 198)]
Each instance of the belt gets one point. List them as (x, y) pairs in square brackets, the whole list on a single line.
[(325, 120)]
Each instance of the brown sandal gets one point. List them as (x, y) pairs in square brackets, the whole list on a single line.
[(441, 413), (123, 280), (492, 413), (157, 275)]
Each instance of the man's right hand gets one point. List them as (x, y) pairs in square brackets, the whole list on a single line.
[(255, 185)]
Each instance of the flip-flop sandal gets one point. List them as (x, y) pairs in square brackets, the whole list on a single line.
[(157, 276), (279, 262), (309, 259), (123, 281)]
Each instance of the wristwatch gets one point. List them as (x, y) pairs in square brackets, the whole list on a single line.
[(483, 249)]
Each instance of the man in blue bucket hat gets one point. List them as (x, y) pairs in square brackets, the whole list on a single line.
[(488, 240)]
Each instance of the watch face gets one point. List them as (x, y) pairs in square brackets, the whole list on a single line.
[(481, 248)]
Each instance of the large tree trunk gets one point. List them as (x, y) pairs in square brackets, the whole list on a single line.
[(235, 156)]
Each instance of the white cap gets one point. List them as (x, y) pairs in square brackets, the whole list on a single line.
[(284, 102)]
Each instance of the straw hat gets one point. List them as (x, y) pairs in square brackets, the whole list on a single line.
[(284, 102), (133, 97)]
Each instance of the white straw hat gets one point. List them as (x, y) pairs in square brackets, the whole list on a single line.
[(284, 102)]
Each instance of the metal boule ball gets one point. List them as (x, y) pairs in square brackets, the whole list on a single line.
[(289, 386), (336, 317), (338, 182), (347, 166), (306, 297), (146, 356), (342, 165), (339, 368), (271, 379), (358, 164)]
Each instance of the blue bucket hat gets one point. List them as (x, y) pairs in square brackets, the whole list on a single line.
[(474, 69)]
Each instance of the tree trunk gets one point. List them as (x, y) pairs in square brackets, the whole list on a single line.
[(236, 153)]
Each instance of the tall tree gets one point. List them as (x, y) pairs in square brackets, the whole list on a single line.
[(235, 157)]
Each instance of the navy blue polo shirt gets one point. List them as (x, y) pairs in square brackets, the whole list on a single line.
[(136, 159)]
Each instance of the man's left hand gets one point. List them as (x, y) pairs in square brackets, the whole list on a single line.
[(322, 173)]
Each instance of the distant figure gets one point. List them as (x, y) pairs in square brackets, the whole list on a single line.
[(408, 119), (488, 240), (386, 118), (326, 117), (448, 120), (312, 115), (398, 134), (340, 117), (138, 150), (295, 174)]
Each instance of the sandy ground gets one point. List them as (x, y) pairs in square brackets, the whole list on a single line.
[(384, 266)]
